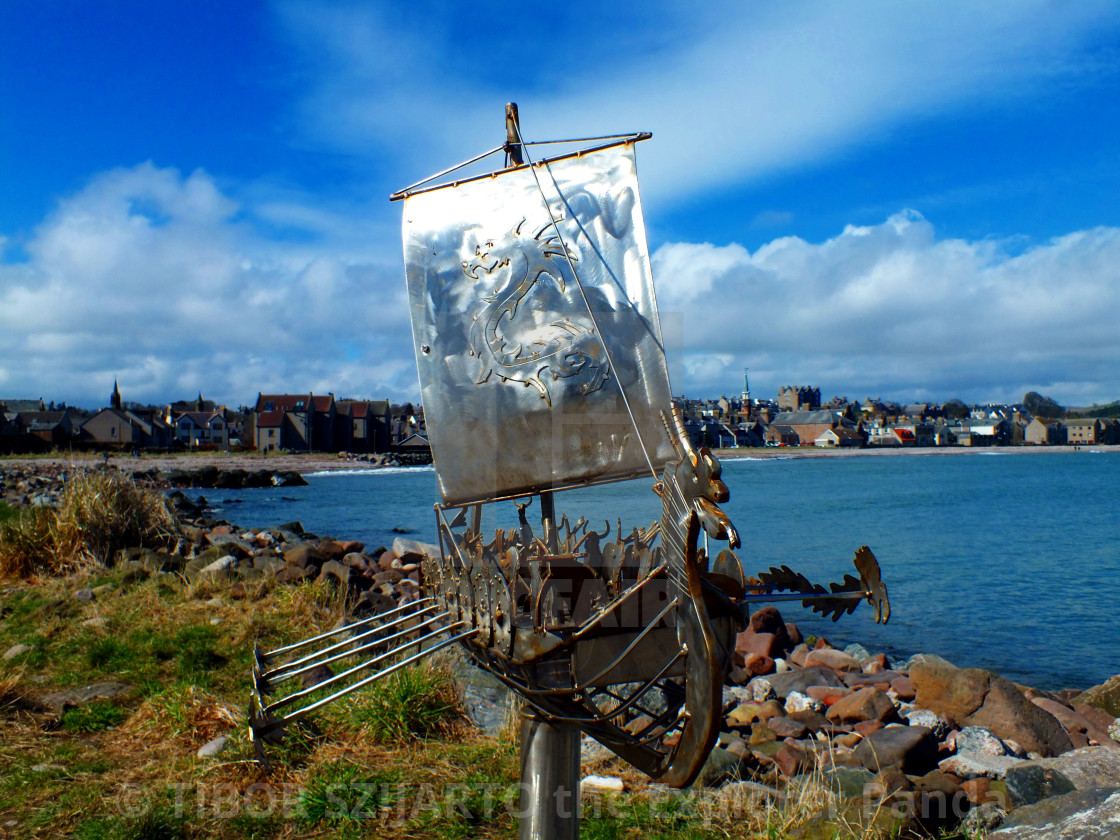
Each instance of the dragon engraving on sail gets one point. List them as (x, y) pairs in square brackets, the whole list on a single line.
[(511, 269), (542, 369)]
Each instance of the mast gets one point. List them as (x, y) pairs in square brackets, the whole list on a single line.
[(550, 751)]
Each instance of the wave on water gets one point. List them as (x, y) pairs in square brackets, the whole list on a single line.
[(370, 471), (733, 459)]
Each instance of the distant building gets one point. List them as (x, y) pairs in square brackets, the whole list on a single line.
[(363, 425), (1083, 432), (809, 425), (307, 424), (128, 428), (202, 429), (798, 398), (1041, 432)]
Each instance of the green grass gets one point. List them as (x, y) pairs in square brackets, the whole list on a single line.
[(7, 513), (418, 701), (94, 717), (158, 824), (406, 738), (346, 793)]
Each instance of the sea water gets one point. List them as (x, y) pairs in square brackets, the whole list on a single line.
[(1009, 562)]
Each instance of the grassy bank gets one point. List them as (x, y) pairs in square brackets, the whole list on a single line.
[(399, 760)]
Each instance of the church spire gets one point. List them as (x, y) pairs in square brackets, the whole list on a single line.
[(115, 399), (747, 408)]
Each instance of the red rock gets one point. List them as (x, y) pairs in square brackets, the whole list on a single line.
[(1098, 717), (1077, 725), (786, 727), (822, 644), (386, 560), (798, 654), (866, 727), (304, 556), (837, 660), (904, 688), (795, 637), (352, 546), (863, 705), (827, 694), (758, 665), (221, 531), (974, 697), (791, 760), (876, 664), (763, 644), (977, 789)]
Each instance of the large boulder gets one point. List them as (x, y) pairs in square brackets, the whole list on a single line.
[(1105, 696), (305, 556), (913, 748), (800, 680), (865, 704), (1087, 767), (1081, 815), (974, 697)]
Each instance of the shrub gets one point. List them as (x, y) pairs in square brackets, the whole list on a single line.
[(416, 701), (100, 513)]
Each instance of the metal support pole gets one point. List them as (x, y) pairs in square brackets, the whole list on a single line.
[(548, 519), (549, 780)]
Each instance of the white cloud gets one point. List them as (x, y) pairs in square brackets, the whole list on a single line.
[(155, 278), (731, 92), (891, 309)]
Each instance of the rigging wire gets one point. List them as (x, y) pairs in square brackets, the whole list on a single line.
[(586, 302)]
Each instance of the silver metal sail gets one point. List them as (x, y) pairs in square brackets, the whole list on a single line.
[(524, 288)]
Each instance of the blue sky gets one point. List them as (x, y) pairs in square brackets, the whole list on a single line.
[(914, 201)]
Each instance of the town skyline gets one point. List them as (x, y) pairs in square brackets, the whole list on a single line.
[(757, 396)]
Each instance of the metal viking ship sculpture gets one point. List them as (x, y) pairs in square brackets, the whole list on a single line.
[(543, 370)]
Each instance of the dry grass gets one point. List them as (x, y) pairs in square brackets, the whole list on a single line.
[(100, 512), (191, 678)]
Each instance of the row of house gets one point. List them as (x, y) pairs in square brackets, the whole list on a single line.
[(737, 422), (306, 422), (292, 422), (321, 423)]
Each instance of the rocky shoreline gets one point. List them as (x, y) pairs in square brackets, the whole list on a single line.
[(920, 744)]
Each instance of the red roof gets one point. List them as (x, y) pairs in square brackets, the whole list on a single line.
[(270, 418)]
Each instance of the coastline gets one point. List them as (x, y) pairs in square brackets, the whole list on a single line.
[(326, 462), (814, 452)]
